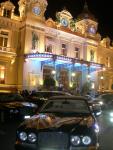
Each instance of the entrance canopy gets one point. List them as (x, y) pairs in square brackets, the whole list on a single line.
[(63, 61)]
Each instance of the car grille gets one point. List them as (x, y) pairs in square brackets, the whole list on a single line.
[(53, 140)]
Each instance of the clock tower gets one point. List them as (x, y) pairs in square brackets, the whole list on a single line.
[(64, 17), (86, 23), (32, 9)]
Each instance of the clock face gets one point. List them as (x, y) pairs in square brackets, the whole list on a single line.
[(64, 22), (92, 30), (36, 10)]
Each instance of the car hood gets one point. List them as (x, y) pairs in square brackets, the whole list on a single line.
[(16, 104), (43, 121)]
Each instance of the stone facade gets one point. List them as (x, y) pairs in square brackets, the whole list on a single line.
[(32, 48)]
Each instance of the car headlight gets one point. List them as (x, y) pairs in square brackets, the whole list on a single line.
[(23, 136), (32, 137), (96, 127), (111, 119), (111, 114), (101, 103), (75, 140), (86, 140), (27, 117), (28, 104)]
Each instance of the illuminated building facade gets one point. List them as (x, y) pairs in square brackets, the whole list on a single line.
[(32, 48)]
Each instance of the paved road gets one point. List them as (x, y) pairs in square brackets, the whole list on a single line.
[(8, 130), (106, 131), (7, 135)]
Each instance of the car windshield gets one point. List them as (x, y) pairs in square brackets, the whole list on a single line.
[(66, 106)]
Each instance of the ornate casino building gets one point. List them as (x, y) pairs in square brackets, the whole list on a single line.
[(69, 49)]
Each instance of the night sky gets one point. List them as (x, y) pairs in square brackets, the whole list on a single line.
[(101, 9)]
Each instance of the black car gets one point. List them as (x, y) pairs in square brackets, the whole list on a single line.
[(47, 94), (64, 123), (105, 100), (14, 107)]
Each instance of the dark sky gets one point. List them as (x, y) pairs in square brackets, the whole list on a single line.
[(101, 9)]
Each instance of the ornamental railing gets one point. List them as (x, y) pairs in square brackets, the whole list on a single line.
[(7, 49)]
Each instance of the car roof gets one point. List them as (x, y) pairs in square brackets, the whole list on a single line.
[(67, 97), (51, 91)]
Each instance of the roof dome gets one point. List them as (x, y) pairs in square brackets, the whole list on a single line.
[(38, 1), (64, 13), (86, 14), (67, 13)]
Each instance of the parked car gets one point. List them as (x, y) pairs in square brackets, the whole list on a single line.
[(40, 97), (108, 113), (14, 107), (104, 99), (63, 123)]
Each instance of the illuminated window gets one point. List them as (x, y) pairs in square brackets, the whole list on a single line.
[(76, 52), (49, 48), (7, 13), (3, 38), (2, 75), (33, 80), (107, 62), (64, 50)]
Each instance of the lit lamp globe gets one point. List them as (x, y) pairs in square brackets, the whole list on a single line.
[(101, 77), (73, 74), (53, 72), (88, 76)]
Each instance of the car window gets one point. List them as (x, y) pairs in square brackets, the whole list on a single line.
[(7, 97), (106, 96), (71, 106), (48, 94)]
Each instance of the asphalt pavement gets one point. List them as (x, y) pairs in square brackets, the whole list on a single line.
[(106, 131)]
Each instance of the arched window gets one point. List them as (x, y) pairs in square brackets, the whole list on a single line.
[(3, 39), (7, 13), (91, 55), (64, 50), (2, 74)]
